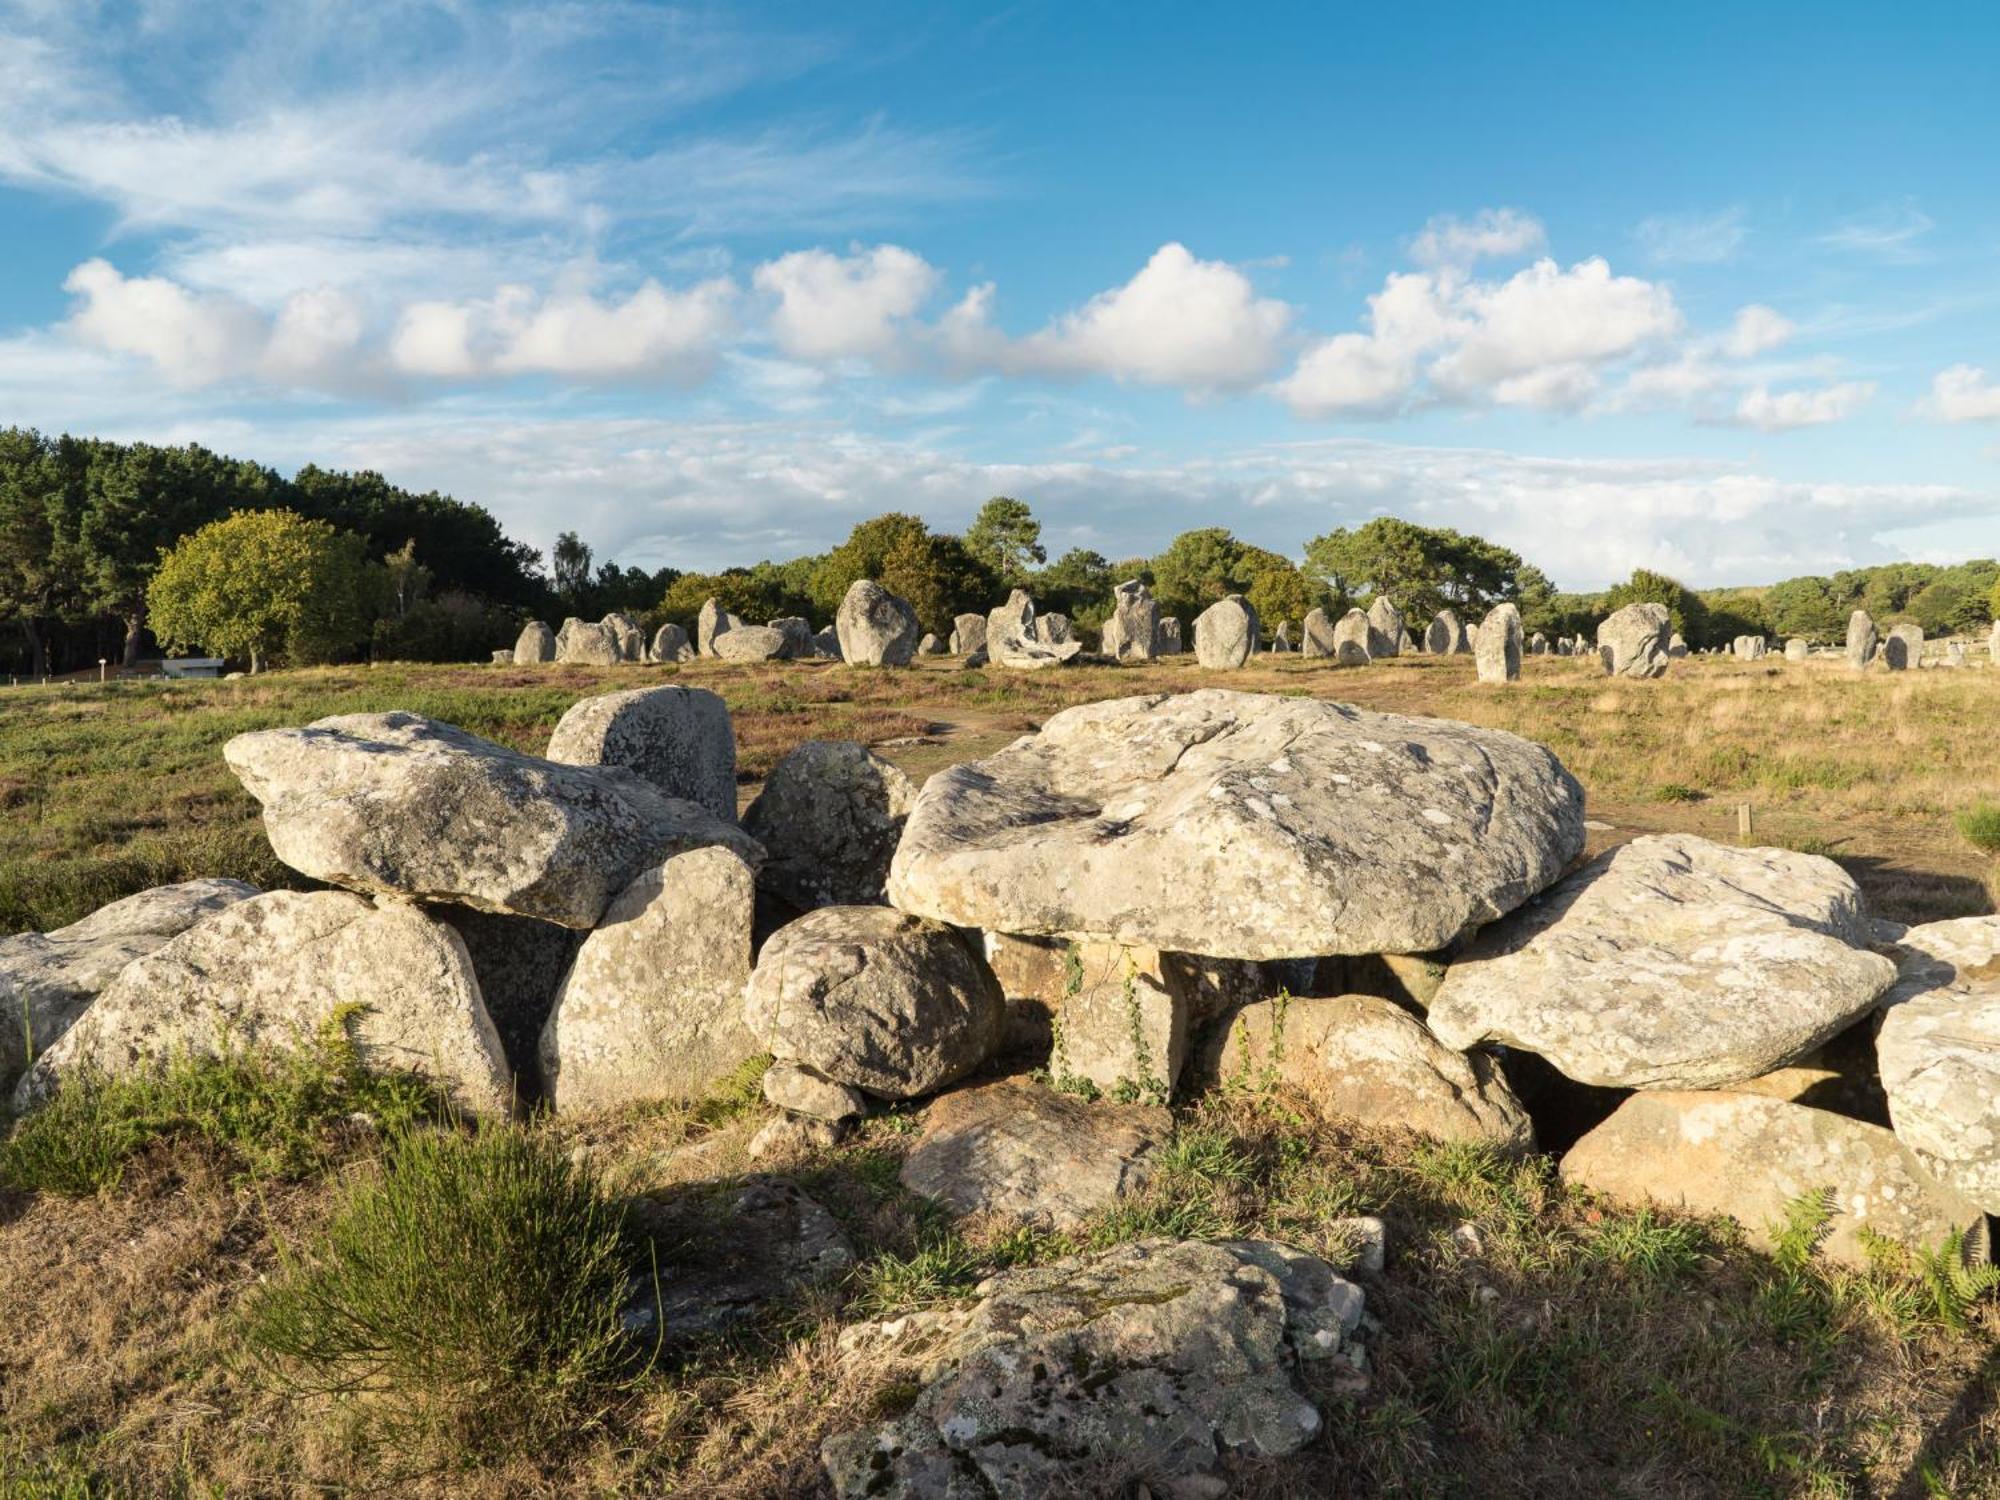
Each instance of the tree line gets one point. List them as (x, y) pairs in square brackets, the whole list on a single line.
[(109, 550)]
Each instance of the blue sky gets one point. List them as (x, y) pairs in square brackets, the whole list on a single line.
[(1707, 288)]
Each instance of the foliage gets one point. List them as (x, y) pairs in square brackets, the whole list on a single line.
[(1285, 595), (1808, 607), (1957, 601), (1980, 826), (1077, 584), (273, 1113), (1005, 537), (460, 543), (938, 577), (1684, 608), (452, 627), (569, 570), (472, 1291), (261, 582), (1423, 569)]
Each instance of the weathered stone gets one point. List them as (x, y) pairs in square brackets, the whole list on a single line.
[(829, 817), (1385, 628), (1676, 647), (1023, 1150), (1751, 1158), (1798, 648), (1372, 1061), (1445, 635), (1671, 962), (650, 1008), (1538, 644), (503, 656), (930, 645), (1225, 634), (1497, 656), (1751, 648), (798, 636), (1053, 629), (1317, 641), (826, 644), (1861, 639), (723, 1254), (580, 643), (1119, 1027), (401, 805), (625, 632), (1633, 642), (789, 1137), (678, 739), (713, 621), (1939, 1052), (1012, 640), (1132, 631), (47, 980), (1904, 648), (1350, 639), (752, 643), (1170, 636), (968, 634), (1993, 643), (1954, 654), (876, 629), (537, 644), (801, 1091), (887, 1003), (272, 971), (1158, 1361), (1241, 825), (670, 643), (1281, 643)]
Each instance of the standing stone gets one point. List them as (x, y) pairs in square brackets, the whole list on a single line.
[(884, 1002), (581, 643), (1445, 636), (1904, 648), (1225, 634), (1132, 632), (537, 644), (1241, 825), (968, 634), (1939, 1052), (876, 629), (829, 817), (1350, 639), (1633, 642), (1671, 963), (519, 963), (1053, 629), (677, 738), (1752, 1158), (798, 636), (1025, 1151), (1861, 639), (711, 622), (752, 643), (650, 1010), (1318, 639), (670, 643), (1676, 647), (1993, 643), (1385, 628), (1954, 654), (47, 980), (1538, 644), (1171, 643), (400, 805), (1012, 639), (826, 644), (1281, 643), (1372, 1061), (930, 645), (1751, 648), (1120, 1027), (1498, 655), (1798, 648), (625, 631), (271, 971)]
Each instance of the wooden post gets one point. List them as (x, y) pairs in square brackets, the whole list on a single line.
[(1743, 820), (103, 669)]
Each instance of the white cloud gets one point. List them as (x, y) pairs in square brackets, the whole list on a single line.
[(654, 332), (1536, 339), (1778, 411), (190, 339), (1692, 239), (1491, 234), (1891, 233), (1964, 393), (1757, 330), (1198, 325), (858, 305)]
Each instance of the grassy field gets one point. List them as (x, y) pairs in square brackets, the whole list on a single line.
[(156, 1247)]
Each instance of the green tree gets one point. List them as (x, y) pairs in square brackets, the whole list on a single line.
[(939, 578), (1807, 607), (261, 582), (569, 571), (1956, 601), (1198, 568), (1077, 584), (1684, 608), (862, 555), (1538, 602), (462, 544), (1284, 594), (1007, 538), (1424, 569), (42, 490)]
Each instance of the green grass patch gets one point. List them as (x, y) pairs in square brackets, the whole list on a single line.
[(1675, 791), (1979, 825), (468, 1296), (274, 1114)]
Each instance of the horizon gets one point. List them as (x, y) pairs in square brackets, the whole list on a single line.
[(708, 287)]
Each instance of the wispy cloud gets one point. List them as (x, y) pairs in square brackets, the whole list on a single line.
[(1694, 239), (1893, 233)]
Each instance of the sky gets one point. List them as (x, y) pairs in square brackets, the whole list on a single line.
[(1713, 289)]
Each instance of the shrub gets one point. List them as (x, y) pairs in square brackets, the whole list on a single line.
[(1981, 826), (273, 1113), (470, 1292)]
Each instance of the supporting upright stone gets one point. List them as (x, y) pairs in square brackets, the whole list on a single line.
[(1132, 632), (1498, 654), (537, 644), (1225, 634), (1633, 642), (1904, 648), (1446, 636), (1318, 638), (1385, 628), (1350, 639)]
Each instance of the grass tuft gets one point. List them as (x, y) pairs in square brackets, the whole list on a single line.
[(469, 1294), (1979, 825), (274, 1114)]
